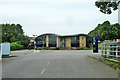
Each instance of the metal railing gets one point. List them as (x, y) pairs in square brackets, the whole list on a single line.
[(110, 50)]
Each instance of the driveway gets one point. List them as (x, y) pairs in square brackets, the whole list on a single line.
[(55, 64)]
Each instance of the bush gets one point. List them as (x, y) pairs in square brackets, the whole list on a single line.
[(79, 49), (16, 46), (46, 48), (86, 48), (57, 48), (83, 49), (61, 48)]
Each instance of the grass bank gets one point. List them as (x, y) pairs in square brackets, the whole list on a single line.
[(114, 65)]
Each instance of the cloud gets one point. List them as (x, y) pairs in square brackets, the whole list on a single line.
[(45, 1), (60, 18)]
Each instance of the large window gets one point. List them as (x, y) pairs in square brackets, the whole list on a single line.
[(41, 44), (75, 41), (52, 43), (41, 41), (52, 40)]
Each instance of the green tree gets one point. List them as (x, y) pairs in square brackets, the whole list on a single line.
[(106, 31), (14, 33), (106, 6)]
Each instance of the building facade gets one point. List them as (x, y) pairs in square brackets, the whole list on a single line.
[(68, 41)]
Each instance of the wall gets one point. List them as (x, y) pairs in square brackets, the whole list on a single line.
[(82, 41), (68, 42)]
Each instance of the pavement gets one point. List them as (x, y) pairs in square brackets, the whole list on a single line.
[(55, 64)]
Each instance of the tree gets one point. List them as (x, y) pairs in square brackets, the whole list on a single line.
[(14, 33), (106, 6), (106, 31)]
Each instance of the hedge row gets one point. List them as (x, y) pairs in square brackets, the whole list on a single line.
[(48, 48), (16, 46), (57, 48)]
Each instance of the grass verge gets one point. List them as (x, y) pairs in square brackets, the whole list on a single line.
[(114, 65)]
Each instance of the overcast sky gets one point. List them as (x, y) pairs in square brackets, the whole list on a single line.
[(62, 17)]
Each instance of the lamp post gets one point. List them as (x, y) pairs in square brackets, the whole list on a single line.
[(34, 42)]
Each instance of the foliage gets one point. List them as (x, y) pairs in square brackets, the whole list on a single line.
[(82, 49), (115, 64), (57, 48), (106, 31), (16, 46), (99, 46), (106, 6), (46, 48), (14, 33), (89, 41)]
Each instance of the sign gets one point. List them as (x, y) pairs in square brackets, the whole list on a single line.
[(95, 45), (5, 49)]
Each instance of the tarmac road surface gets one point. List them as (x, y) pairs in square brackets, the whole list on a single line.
[(55, 64)]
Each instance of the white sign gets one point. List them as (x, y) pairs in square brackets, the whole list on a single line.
[(5, 48)]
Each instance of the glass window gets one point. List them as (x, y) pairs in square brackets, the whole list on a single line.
[(52, 40), (41, 44), (41, 41), (52, 37), (75, 38), (52, 44), (74, 44), (75, 41), (41, 38)]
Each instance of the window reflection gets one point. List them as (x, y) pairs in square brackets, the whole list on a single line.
[(75, 41), (52, 40)]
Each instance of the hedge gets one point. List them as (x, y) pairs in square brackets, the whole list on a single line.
[(16, 46)]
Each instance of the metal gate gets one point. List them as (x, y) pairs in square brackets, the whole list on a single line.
[(111, 50)]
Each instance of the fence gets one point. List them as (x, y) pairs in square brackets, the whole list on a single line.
[(111, 50)]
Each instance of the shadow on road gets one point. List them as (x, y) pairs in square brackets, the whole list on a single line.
[(8, 56)]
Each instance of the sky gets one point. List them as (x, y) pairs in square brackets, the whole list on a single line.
[(63, 17)]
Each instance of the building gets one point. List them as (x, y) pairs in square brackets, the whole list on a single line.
[(66, 41)]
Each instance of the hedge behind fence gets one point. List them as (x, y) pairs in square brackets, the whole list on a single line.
[(16, 46)]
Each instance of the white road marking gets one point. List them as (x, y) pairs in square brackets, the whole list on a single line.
[(42, 72)]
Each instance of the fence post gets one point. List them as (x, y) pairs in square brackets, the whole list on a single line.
[(102, 50)]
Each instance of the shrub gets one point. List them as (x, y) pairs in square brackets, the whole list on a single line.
[(39, 48), (46, 48), (49, 48), (86, 48), (83, 48), (16, 46), (61, 48), (79, 49), (57, 48)]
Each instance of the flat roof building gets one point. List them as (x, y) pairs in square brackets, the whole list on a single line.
[(66, 41)]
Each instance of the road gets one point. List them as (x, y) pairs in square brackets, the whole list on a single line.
[(55, 64)]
